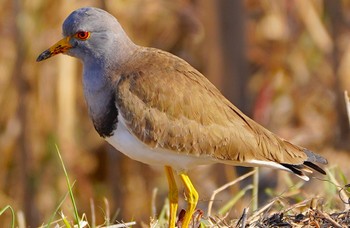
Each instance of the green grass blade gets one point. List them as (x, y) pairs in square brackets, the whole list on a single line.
[(65, 221), (76, 215), (8, 207), (58, 207), (234, 200), (162, 218)]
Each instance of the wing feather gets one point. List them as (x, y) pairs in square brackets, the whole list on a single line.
[(168, 104)]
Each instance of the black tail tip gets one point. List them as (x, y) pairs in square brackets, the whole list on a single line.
[(315, 167)]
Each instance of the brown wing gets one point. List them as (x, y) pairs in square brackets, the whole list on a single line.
[(168, 104)]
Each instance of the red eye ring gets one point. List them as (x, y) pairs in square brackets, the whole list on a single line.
[(82, 35)]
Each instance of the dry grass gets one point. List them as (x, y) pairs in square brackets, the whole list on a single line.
[(285, 210), (296, 55)]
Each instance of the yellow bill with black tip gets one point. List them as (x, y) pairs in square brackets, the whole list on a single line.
[(61, 46)]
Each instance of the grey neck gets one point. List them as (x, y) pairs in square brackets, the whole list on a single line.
[(99, 95)]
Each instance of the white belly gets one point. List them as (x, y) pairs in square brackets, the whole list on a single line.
[(129, 145)]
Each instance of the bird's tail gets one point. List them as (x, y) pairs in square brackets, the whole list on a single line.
[(308, 166)]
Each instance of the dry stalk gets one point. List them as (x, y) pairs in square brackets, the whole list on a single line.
[(329, 219), (215, 192)]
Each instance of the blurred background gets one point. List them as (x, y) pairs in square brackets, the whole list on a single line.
[(284, 63)]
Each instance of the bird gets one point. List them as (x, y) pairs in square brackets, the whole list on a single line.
[(156, 108)]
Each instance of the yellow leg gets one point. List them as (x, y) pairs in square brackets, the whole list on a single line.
[(173, 196), (192, 199)]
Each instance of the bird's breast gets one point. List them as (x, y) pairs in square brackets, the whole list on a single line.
[(105, 118), (123, 140)]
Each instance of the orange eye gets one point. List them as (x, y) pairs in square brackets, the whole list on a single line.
[(82, 35)]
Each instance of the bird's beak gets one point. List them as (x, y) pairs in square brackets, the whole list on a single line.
[(61, 46)]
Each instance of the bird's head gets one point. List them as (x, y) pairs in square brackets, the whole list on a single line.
[(91, 34)]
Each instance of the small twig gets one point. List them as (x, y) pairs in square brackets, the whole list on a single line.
[(329, 219), (259, 212), (243, 218), (300, 204), (124, 224), (210, 205), (93, 215), (217, 221), (153, 202), (255, 192), (334, 181), (314, 203), (347, 103), (107, 214), (347, 201)]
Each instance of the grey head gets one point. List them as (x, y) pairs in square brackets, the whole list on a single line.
[(94, 36)]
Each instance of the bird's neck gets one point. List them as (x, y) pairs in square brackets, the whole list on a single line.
[(99, 88), (99, 96)]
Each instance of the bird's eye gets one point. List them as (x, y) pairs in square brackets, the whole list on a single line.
[(82, 35)]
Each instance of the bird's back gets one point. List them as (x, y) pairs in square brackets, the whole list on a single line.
[(168, 104)]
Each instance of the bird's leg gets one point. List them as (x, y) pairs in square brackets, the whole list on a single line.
[(173, 196), (192, 199)]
